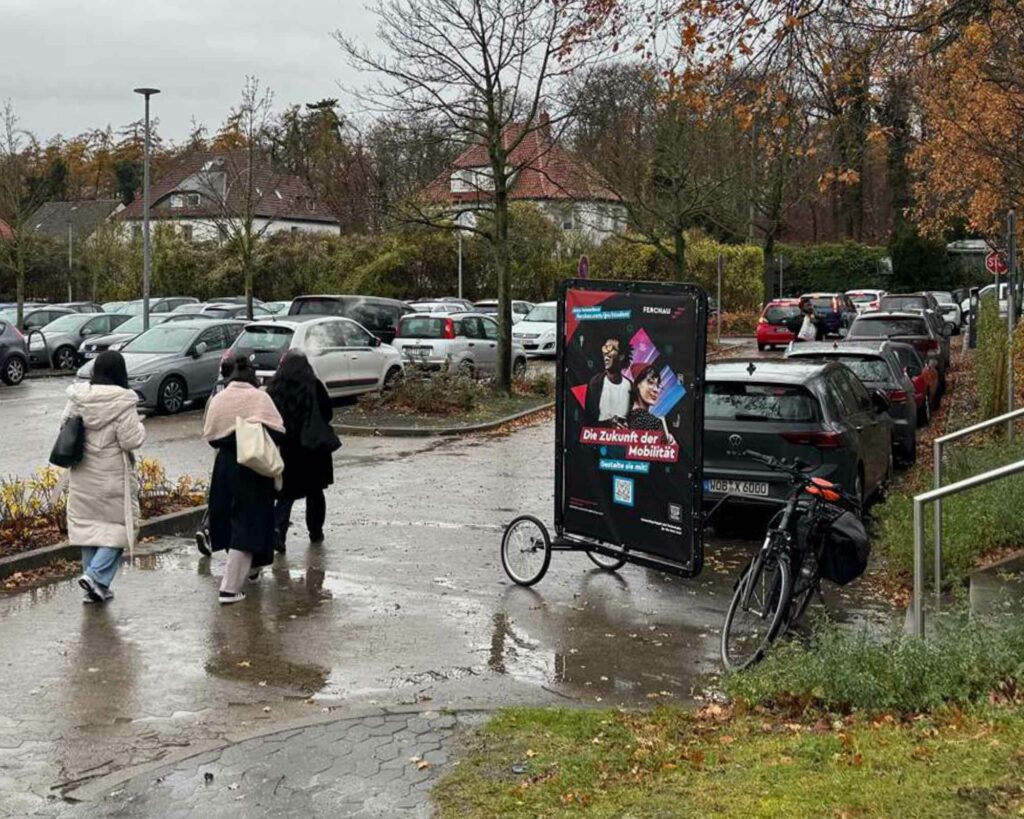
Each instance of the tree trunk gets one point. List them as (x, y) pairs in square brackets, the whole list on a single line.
[(502, 264)]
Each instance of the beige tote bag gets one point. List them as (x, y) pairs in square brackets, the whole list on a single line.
[(256, 450)]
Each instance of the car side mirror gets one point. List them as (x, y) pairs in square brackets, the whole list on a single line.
[(880, 401), (199, 350)]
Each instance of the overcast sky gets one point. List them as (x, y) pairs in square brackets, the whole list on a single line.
[(71, 65)]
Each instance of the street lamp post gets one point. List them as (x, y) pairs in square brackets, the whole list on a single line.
[(146, 260)]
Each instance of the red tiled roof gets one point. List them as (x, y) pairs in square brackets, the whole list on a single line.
[(283, 196), (5, 230), (546, 171)]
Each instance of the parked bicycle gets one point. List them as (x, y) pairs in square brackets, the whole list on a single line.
[(817, 534)]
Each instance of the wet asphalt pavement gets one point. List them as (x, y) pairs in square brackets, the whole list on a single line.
[(406, 603)]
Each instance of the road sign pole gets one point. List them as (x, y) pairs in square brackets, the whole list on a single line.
[(1011, 311)]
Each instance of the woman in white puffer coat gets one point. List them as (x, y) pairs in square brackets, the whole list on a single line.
[(103, 495)]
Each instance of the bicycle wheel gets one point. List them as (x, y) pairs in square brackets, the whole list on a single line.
[(607, 562), (525, 550), (756, 612)]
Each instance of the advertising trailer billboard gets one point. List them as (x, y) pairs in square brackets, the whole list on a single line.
[(630, 417)]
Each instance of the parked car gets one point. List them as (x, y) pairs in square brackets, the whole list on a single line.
[(773, 328), (538, 331), (94, 345), (175, 362), (988, 291), (157, 304), (948, 309), (223, 310), (818, 412), (489, 307), (57, 344), (34, 318), (443, 307), (924, 378), (878, 368), (347, 357), (277, 308), (466, 342), (379, 316), (13, 354), (865, 300), (834, 310), (82, 306), (912, 328)]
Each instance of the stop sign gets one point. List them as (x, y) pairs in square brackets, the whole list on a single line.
[(995, 263)]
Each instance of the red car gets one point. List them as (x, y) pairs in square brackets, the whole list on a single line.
[(772, 329), (924, 377)]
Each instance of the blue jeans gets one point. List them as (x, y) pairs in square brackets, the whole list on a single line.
[(101, 563)]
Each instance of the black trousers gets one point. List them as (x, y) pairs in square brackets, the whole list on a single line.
[(316, 513)]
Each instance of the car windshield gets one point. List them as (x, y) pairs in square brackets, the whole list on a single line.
[(886, 327), (543, 312), (264, 339), (866, 369), (163, 339), (823, 302), (316, 307), (420, 327), (759, 402), (901, 302), (68, 323), (134, 324), (780, 313)]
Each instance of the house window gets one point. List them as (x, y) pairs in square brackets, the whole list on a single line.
[(187, 232), (193, 200)]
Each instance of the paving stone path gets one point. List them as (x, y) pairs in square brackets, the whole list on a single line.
[(375, 766)]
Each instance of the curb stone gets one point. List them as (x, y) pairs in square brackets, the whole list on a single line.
[(428, 432), (96, 789), (175, 524)]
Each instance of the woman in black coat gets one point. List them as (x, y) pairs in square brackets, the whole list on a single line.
[(309, 440)]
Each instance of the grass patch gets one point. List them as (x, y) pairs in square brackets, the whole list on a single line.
[(974, 523), (671, 763), (962, 663)]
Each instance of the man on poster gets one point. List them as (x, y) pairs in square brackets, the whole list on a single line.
[(608, 394)]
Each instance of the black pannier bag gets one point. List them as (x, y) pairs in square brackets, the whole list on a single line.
[(845, 555)]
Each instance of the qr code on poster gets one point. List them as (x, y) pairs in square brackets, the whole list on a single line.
[(622, 490)]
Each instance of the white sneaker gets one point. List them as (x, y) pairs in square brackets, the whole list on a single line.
[(227, 598)]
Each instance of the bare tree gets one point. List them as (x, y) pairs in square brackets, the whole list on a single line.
[(238, 186), (483, 71), (19, 199)]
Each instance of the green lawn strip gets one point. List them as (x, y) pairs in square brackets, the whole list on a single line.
[(672, 763)]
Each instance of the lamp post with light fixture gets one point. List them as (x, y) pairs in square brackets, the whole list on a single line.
[(146, 260)]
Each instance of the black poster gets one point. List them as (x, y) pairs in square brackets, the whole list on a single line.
[(630, 417)]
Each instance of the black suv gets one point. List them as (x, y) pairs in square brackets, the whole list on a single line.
[(378, 315), (13, 354), (818, 412)]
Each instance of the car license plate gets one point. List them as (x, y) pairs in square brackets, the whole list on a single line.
[(721, 486)]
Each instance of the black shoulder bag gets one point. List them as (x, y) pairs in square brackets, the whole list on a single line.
[(70, 444)]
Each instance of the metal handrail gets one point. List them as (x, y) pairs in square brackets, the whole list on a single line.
[(937, 495), (937, 444)]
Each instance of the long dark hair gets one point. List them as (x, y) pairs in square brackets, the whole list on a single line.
[(294, 390), (634, 391), (109, 369)]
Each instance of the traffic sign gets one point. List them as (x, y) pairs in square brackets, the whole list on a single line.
[(995, 263)]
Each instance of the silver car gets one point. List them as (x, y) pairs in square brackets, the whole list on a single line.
[(465, 342), (58, 342), (175, 362)]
